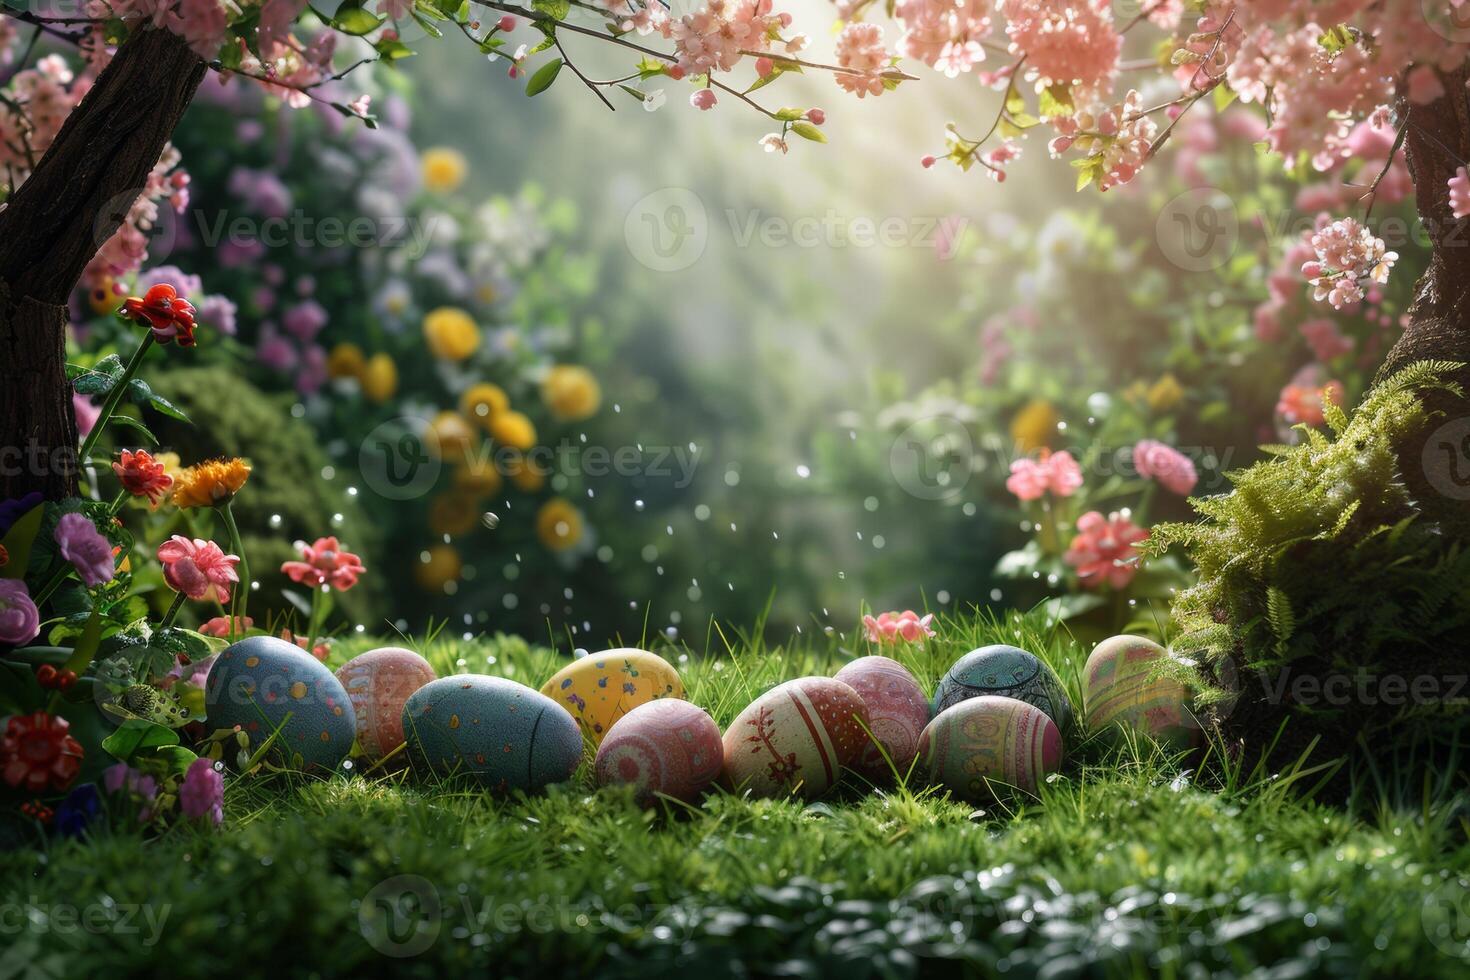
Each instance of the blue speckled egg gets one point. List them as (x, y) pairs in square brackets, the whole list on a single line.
[(503, 734), (260, 682), (1009, 672)]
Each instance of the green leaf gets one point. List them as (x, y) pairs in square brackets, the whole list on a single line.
[(136, 735), (352, 18), (99, 378), (544, 77), (127, 421), (809, 131), (556, 9), (392, 49), (1056, 100), (790, 114), (18, 541)]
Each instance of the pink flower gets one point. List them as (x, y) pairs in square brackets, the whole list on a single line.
[(87, 414), (703, 99), (195, 567), (20, 621), (395, 9), (1103, 551), (1460, 193), (202, 793), (1325, 339), (1347, 256), (890, 627), (324, 563), (80, 543), (1302, 403), (860, 47), (305, 320), (116, 779), (1171, 468), (221, 625), (1056, 472), (1065, 41)]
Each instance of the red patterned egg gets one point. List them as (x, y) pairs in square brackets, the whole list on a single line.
[(983, 744), (379, 683), (897, 714), (667, 747), (795, 738)]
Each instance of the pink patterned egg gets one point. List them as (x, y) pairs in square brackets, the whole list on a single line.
[(379, 683), (986, 743), (795, 738), (668, 747), (1123, 685), (897, 714)]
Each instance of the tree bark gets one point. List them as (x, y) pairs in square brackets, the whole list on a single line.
[(72, 203), (1435, 462)]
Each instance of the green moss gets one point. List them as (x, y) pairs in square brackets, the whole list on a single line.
[(231, 417)]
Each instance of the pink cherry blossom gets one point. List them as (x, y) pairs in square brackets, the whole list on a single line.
[(1347, 256), (890, 627), (860, 47), (1172, 469), (1460, 193), (1057, 473), (703, 99), (1103, 551)]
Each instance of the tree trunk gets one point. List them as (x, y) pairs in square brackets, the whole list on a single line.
[(73, 202), (1436, 462)]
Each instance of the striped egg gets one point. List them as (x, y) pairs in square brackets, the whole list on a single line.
[(599, 689), (1122, 685), (265, 685), (897, 714), (795, 739), (1008, 672), (668, 747), (501, 734), (379, 683), (984, 744)]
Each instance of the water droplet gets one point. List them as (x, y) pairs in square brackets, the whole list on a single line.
[(579, 653)]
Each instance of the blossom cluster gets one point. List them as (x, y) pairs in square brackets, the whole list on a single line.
[(1348, 256)]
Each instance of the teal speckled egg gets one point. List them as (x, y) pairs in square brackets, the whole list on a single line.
[(1009, 672), (502, 734), (262, 684)]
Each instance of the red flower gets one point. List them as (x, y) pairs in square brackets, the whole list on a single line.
[(165, 312), (324, 563), (141, 475), (1103, 551), (37, 751)]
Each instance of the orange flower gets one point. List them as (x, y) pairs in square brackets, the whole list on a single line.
[(141, 475), (211, 484)]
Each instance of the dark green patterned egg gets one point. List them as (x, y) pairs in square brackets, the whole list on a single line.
[(263, 684), (1009, 672), (502, 734)]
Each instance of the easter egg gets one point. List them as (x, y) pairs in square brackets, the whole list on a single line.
[(1122, 686), (897, 714), (599, 689), (667, 746), (501, 734), (378, 683), (795, 738), (984, 743), (1008, 672), (264, 684)]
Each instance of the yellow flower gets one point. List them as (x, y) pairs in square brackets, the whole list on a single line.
[(210, 484), (526, 475), (1034, 425), (103, 298), (478, 476), (444, 169), (450, 436), (379, 378), (451, 333), (346, 361), (571, 392), (454, 513), (512, 429), (1137, 393), (558, 524), (1165, 394), (483, 401), (442, 568)]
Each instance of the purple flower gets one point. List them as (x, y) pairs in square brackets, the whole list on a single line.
[(14, 509), (275, 351), (202, 794), (19, 619), (81, 806), (88, 551), (116, 779), (187, 285), (218, 312), (305, 320)]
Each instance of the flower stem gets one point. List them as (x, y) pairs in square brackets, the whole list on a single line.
[(173, 611), (115, 396), (242, 592)]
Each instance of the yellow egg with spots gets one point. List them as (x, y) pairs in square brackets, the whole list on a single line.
[(450, 437), (379, 378), (601, 688), (442, 568), (483, 401), (104, 297), (512, 429)]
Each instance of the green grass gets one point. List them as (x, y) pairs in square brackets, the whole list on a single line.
[(1131, 861)]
